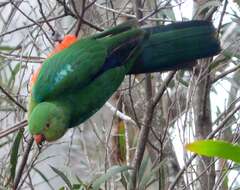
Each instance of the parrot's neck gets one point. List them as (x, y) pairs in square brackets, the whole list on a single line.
[(66, 108)]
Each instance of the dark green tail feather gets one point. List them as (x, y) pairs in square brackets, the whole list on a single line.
[(176, 45)]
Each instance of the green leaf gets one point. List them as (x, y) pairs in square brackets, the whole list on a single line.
[(7, 48), (147, 178), (63, 176), (212, 148), (14, 154), (81, 183), (143, 167), (122, 140), (125, 179), (76, 186), (110, 173)]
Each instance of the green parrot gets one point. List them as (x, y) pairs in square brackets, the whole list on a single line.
[(75, 83)]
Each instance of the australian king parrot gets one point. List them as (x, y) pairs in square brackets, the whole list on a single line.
[(79, 76)]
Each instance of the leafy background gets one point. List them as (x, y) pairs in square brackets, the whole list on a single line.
[(198, 104)]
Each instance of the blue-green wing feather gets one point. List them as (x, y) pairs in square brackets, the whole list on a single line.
[(75, 67), (72, 68)]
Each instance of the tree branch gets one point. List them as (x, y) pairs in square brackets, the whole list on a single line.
[(143, 136), (13, 99), (23, 163), (12, 129)]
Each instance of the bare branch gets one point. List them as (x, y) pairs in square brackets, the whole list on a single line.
[(44, 17), (23, 163), (13, 99), (12, 129)]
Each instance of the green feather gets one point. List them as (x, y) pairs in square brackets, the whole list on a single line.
[(176, 48), (70, 69)]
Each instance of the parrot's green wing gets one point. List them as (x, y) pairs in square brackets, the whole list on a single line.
[(90, 99), (75, 67), (72, 68)]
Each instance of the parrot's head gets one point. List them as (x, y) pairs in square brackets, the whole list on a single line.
[(48, 122)]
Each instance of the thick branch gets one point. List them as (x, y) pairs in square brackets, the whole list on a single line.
[(146, 126)]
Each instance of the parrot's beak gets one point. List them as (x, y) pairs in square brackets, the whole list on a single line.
[(39, 138)]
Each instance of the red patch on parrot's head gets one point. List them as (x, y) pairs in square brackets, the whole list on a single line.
[(65, 43)]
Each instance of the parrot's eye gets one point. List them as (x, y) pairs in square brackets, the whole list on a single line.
[(47, 125)]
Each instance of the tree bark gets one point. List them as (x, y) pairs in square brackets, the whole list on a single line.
[(203, 122), (202, 110)]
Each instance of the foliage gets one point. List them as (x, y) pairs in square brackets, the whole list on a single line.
[(216, 148), (145, 179)]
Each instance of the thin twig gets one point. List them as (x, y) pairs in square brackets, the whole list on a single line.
[(14, 128), (13, 99), (130, 15), (223, 74), (159, 8), (22, 58), (80, 17), (31, 25), (44, 17), (4, 4), (132, 104), (143, 136), (23, 163), (30, 166), (221, 17), (162, 88), (33, 21), (69, 12), (120, 114)]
